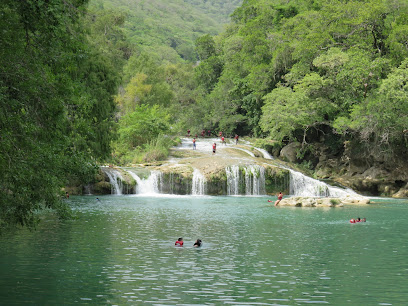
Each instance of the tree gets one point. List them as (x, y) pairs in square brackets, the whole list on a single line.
[(56, 113)]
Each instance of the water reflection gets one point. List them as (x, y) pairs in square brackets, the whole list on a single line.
[(121, 251)]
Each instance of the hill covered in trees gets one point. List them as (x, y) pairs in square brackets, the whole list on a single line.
[(167, 29)]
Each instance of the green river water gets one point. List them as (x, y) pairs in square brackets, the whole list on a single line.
[(120, 251)]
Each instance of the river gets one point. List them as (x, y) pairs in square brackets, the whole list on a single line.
[(120, 251)]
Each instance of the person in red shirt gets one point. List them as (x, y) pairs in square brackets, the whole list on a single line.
[(223, 140), (280, 196), (179, 242), (214, 147)]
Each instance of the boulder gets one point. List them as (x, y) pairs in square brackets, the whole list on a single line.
[(289, 152)]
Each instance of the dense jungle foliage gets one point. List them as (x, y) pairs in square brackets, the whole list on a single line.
[(59, 70)]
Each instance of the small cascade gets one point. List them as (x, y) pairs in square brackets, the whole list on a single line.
[(253, 176), (151, 185), (198, 185), (115, 179), (265, 153), (302, 185), (232, 180), (258, 180)]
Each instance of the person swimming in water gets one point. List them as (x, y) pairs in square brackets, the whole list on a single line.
[(198, 243), (179, 242)]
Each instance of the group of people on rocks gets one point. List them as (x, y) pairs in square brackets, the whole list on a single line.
[(196, 244)]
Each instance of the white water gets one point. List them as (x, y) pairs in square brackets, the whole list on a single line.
[(302, 185), (265, 153), (148, 186), (115, 180), (253, 176), (232, 180), (198, 186)]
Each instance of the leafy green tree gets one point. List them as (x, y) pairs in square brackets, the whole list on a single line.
[(56, 113)]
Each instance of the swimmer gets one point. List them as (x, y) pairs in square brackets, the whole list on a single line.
[(179, 242), (198, 243)]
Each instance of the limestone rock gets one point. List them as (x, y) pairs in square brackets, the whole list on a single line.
[(323, 202), (289, 152)]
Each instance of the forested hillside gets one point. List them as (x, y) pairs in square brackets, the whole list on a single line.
[(167, 29), (291, 70)]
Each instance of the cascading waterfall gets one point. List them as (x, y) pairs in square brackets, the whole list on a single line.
[(198, 185), (301, 185), (232, 180), (151, 185), (115, 179), (265, 153), (253, 176), (258, 180)]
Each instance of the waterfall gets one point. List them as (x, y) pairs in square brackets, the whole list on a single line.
[(253, 176), (265, 153), (301, 185), (115, 179), (232, 180), (254, 180), (151, 185), (198, 186)]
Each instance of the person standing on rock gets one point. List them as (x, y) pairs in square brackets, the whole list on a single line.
[(194, 144), (280, 196)]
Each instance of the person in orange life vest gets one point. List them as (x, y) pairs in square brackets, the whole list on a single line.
[(280, 196), (214, 147), (194, 144), (179, 242), (220, 134)]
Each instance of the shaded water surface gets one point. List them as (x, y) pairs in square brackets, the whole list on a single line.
[(120, 251)]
